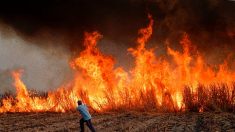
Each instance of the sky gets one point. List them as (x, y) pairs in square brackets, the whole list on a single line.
[(40, 36)]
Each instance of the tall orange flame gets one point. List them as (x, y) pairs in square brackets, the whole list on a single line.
[(152, 83)]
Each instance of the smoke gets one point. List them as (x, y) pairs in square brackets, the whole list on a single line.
[(210, 23), (44, 69), (46, 33)]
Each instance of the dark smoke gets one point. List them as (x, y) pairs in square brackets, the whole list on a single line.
[(210, 22), (61, 23), (120, 20)]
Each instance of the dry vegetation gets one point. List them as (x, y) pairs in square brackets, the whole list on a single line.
[(217, 102), (216, 97)]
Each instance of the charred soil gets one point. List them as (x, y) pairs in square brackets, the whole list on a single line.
[(126, 121)]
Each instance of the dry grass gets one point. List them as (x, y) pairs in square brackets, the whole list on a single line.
[(216, 97)]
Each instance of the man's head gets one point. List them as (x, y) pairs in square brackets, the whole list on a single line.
[(79, 102)]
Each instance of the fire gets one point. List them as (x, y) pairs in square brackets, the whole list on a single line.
[(153, 83)]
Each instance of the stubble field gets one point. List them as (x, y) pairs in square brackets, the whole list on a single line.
[(125, 121)]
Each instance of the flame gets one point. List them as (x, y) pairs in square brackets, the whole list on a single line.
[(154, 82)]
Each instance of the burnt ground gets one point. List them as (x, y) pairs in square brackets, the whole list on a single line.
[(126, 121)]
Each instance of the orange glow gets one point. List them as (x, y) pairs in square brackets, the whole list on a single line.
[(153, 82)]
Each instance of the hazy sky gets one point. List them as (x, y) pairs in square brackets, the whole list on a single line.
[(43, 68)]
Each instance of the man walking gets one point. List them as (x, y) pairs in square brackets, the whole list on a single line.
[(86, 117)]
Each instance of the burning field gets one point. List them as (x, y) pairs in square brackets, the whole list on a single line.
[(170, 86), (154, 83)]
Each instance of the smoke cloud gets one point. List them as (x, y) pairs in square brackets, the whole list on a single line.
[(44, 34), (44, 69), (210, 23)]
